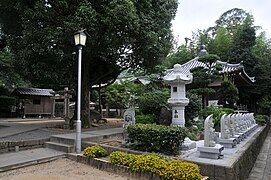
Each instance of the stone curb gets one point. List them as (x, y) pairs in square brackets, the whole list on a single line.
[(113, 168), (23, 145)]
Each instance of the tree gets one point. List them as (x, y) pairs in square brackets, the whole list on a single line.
[(243, 41), (8, 77), (181, 56), (123, 34), (203, 76), (230, 20), (221, 44), (228, 94)]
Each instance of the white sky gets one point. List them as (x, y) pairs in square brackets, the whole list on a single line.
[(201, 14)]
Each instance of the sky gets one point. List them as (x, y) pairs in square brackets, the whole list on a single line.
[(201, 14)]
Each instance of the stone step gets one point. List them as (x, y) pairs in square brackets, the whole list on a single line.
[(62, 140), (60, 147)]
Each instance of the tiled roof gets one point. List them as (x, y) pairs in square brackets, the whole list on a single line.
[(33, 91), (226, 67)]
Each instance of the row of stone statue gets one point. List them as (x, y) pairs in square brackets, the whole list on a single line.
[(234, 129)]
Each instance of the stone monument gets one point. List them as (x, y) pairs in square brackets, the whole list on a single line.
[(129, 119), (210, 149), (177, 80), (225, 139)]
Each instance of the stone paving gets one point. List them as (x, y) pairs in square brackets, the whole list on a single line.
[(18, 126), (262, 166), (15, 160)]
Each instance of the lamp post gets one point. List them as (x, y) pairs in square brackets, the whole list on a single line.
[(80, 41)]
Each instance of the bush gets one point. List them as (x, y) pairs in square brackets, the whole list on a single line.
[(95, 151), (192, 110), (156, 138), (152, 100), (261, 119), (7, 102), (145, 119), (217, 113), (167, 169)]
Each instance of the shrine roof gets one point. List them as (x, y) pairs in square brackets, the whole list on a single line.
[(226, 68), (33, 91)]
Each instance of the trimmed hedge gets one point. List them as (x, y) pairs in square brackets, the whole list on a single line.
[(95, 151), (156, 138), (167, 169)]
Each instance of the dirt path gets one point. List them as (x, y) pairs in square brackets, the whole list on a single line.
[(61, 169)]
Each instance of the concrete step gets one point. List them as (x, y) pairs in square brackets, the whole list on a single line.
[(60, 147), (62, 140)]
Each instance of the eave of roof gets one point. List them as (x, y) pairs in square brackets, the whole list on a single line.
[(33, 92), (226, 68)]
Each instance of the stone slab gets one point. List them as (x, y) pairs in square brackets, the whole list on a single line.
[(211, 152), (228, 143), (14, 160)]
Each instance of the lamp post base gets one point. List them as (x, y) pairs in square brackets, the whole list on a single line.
[(78, 137)]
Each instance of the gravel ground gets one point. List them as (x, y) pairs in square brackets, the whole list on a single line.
[(61, 169)]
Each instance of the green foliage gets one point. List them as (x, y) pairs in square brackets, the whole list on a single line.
[(261, 119), (152, 100), (209, 59), (192, 110), (264, 105), (231, 20), (118, 95), (221, 44), (9, 78), (181, 56), (243, 41), (217, 113), (7, 102), (123, 34), (95, 151), (145, 119), (165, 168), (228, 94), (156, 138)]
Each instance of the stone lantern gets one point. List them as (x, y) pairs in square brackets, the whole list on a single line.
[(177, 80)]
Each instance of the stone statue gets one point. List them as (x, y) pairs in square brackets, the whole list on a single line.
[(129, 117), (224, 126), (209, 132), (231, 125)]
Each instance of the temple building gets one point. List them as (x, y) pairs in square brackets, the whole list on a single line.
[(232, 72)]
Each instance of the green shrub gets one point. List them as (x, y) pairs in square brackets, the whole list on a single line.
[(95, 151), (156, 138), (217, 113), (6, 102), (145, 119), (151, 101), (122, 158), (192, 110), (261, 119), (166, 168)]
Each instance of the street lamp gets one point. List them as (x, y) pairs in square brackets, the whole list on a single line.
[(80, 41)]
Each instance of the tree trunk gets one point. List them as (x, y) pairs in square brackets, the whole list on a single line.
[(85, 111)]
